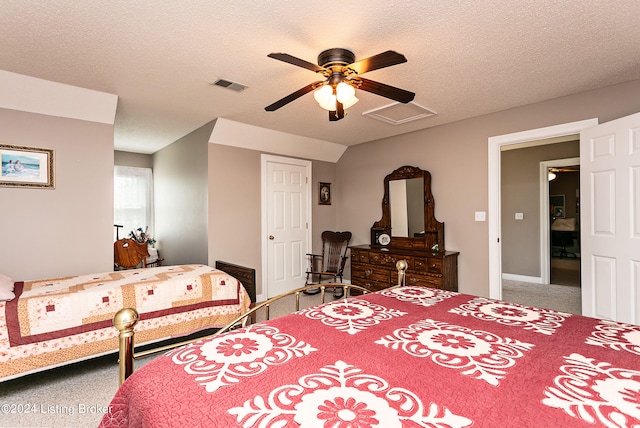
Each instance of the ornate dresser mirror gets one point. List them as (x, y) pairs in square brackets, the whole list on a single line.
[(408, 230), (408, 219)]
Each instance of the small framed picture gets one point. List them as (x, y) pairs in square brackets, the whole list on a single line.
[(556, 204), (324, 194), (26, 167)]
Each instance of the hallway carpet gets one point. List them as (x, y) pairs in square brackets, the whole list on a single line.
[(563, 298)]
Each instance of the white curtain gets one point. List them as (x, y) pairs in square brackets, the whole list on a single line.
[(133, 199)]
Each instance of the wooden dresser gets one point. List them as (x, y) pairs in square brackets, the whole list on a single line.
[(408, 230), (374, 267)]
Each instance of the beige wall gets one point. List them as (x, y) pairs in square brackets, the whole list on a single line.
[(67, 230), (520, 192), (456, 155), (137, 160), (235, 211), (180, 173), (323, 216), (234, 206)]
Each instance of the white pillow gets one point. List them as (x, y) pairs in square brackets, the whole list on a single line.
[(6, 294), (6, 283)]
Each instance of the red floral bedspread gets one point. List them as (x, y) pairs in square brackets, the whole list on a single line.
[(407, 357), (54, 321)]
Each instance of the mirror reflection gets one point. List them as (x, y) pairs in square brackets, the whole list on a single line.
[(406, 203)]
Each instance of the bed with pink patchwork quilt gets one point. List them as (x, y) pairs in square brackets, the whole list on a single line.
[(56, 321), (403, 357)]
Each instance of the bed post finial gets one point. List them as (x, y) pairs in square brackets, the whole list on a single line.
[(125, 320), (401, 265)]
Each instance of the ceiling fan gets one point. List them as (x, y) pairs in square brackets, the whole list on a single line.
[(341, 77)]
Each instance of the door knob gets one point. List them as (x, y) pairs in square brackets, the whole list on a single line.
[(271, 237)]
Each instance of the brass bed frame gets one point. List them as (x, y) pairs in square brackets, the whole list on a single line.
[(125, 321)]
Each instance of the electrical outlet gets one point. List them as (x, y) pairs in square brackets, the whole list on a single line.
[(481, 216), (519, 216)]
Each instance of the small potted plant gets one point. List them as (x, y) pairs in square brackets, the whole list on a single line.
[(140, 235)]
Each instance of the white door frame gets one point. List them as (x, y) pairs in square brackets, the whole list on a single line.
[(264, 159), (545, 245), (495, 146)]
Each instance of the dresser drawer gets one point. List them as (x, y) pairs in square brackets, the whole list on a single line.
[(388, 259), (369, 284), (369, 273), (359, 256), (411, 278), (375, 267), (431, 265)]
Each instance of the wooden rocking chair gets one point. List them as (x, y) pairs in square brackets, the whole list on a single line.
[(330, 264)]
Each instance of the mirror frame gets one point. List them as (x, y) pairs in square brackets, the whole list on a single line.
[(434, 229)]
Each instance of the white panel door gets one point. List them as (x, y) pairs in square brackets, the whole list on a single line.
[(610, 220), (286, 226)]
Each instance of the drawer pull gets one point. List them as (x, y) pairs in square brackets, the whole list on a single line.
[(367, 273)]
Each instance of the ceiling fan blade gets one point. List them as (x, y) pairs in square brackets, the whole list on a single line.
[(383, 90), (292, 97), (385, 59), (296, 61)]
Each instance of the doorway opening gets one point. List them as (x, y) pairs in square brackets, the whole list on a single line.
[(496, 146), (564, 221), (559, 196), (539, 222)]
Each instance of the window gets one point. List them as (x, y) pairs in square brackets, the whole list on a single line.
[(133, 199)]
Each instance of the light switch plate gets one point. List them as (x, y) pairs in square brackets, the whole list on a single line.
[(519, 216), (481, 216)]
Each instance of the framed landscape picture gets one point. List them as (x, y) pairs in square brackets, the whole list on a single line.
[(26, 167)]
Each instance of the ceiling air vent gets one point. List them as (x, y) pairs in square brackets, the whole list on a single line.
[(229, 85), (399, 113)]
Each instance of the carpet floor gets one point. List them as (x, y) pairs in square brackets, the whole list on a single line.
[(562, 298)]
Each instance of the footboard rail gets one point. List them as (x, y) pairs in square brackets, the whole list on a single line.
[(125, 321)]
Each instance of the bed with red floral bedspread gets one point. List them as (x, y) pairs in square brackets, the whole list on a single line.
[(403, 357)]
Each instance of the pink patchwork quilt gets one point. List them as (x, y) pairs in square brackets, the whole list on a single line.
[(59, 320), (405, 357)]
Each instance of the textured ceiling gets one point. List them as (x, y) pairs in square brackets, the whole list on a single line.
[(465, 58)]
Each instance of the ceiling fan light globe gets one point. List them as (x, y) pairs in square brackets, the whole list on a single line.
[(350, 102), (329, 104), (323, 96), (345, 92)]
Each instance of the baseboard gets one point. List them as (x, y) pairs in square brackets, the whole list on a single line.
[(522, 278)]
